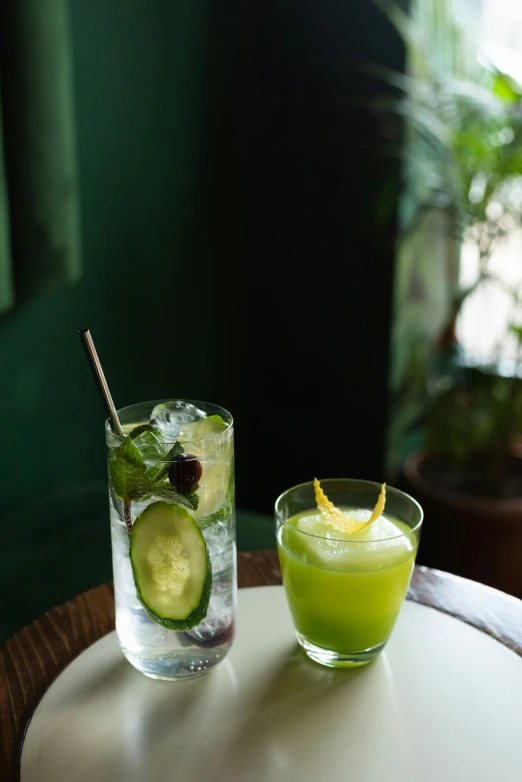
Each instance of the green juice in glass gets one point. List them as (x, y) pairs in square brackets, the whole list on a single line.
[(345, 590)]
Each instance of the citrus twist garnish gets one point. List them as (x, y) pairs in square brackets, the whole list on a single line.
[(339, 520)]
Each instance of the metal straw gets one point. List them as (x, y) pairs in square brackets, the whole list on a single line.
[(88, 344)]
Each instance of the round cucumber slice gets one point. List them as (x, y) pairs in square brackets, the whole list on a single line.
[(202, 438), (202, 428), (171, 566)]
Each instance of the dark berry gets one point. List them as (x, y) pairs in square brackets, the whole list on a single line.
[(203, 636), (185, 471)]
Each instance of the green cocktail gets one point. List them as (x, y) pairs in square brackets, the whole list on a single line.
[(345, 590)]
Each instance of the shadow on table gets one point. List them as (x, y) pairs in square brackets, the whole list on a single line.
[(302, 707)]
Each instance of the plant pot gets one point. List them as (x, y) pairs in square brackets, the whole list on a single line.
[(475, 537)]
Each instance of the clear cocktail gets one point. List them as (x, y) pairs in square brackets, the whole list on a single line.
[(171, 486), (345, 590)]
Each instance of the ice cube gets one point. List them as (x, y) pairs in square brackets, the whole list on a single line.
[(218, 626), (169, 417), (144, 630), (371, 548), (217, 535), (212, 632), (150, 447)]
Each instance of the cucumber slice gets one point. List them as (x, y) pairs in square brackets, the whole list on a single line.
[(171, 566), (202, 428), (207, 438)]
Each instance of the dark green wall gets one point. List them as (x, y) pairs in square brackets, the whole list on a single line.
[(232, 241), (147, 280), (147, 293), (235, 250)]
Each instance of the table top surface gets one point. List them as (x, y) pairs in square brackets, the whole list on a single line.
[(32, 659)]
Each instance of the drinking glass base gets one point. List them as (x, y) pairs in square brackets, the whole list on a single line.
[(172, 668), (333, 659)]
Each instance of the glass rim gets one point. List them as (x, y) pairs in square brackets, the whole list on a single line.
[(153, 402), (373, 484)]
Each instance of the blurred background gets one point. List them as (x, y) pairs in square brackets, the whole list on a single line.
[(309, 214)]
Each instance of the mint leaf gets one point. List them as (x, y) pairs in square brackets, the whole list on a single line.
[(150, 447), (126, 470), (176, 449), (143, 428), (133, 481), (167, 492), (223, 514)]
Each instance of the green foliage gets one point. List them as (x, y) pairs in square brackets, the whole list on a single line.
[(134, 481), (462, 423), (127, 471), (462, 154), (463, 145)]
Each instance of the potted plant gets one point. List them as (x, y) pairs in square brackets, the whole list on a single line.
[(460, 418), (468, 477)]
